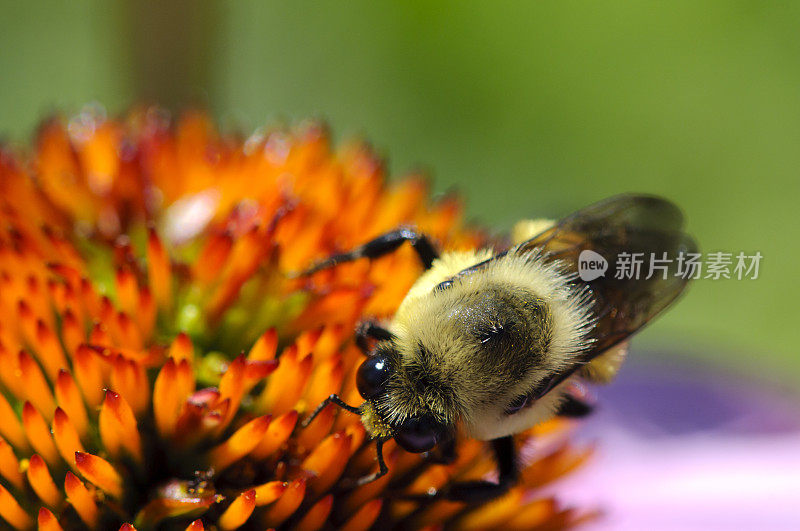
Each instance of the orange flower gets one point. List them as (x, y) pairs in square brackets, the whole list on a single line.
[(156, 358)]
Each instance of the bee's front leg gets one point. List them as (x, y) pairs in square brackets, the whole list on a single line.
[(380, 246)]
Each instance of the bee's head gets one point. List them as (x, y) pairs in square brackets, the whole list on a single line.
[(417, 433)]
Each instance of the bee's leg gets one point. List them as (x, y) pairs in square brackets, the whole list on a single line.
[(383, 244), (482, 491), (382, 468), (367, 330), (573, 407), (332, 399)]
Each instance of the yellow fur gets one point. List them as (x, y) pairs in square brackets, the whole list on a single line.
[(479, 398)]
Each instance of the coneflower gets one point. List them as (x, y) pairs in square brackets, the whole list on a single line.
[(156, 359)]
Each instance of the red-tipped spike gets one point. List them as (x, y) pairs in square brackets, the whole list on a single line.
[(42, 482), (81, 500), (38, 433), (100, 472), (239, 511)]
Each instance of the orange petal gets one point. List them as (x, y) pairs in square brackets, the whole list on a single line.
[(265, 348), (494, 513), (287, 504), (197, 525), (48, 350), (42, 482), (241, 443), (9, 465), (81, 500), (439, 511), (181, 348), (127, 290), (47, 521), (10, 427), (120, 418), (285, 386), (321, 426), (130, 337), (100, 472), (89, 375), (36, 389), (72, 331), (9, 372), (212, 258), (277, 434), (167, 399), (146, 313), (327, 461), (66, 436), (69, 399), (231, 386), (159, 271), (12, 512), (239, 511), (363, 519), (325, 380), (317, 515), (38, 433), (555, 465), (128, 378), (533, 514), (269, 492)]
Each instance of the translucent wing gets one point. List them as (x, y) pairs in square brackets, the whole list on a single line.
[(623, 230)]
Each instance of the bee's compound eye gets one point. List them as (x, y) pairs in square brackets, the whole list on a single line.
[(418, 435), (372, 376)]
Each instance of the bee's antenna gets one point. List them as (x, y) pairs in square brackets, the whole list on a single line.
[(382, 468), (331, 399)]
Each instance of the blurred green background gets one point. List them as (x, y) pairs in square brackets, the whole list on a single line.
[(528, 110)]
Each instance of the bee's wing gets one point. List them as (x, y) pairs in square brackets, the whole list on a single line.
[(617, 227), (625, 225)]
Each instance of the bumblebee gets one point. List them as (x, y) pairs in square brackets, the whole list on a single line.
[(492, 343)]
